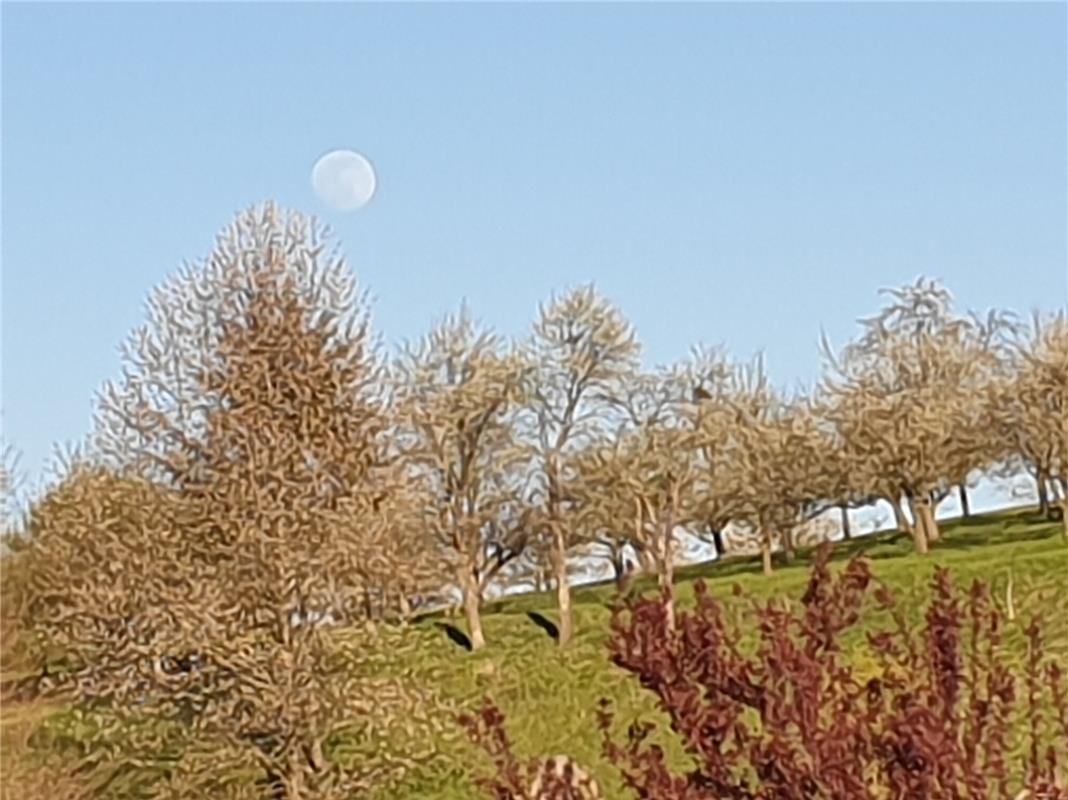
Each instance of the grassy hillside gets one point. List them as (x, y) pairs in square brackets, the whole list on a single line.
[(550, 697)]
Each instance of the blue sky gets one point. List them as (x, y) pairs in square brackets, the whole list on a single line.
[(742, 174)]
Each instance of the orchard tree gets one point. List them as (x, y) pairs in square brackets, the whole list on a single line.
[(456, 391), (582, 353), (787, 477), (1030, 407), (639, 488), (717, 387), (907, 396), (600, 504), (243, 491)]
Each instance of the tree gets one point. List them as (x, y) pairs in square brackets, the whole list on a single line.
[(456, 390), (719, 389), (907, 396), (243, 492), (1029, 406), (646, 475), (788, 475), (582, 351)]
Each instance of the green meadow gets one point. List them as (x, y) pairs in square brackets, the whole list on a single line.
[(549, 696)]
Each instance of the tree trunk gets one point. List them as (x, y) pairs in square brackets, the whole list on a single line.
[(666, 572), (647, 561), (930, 522), (789, 550), (847, 530), (368, 604), (717, 542), (624, 581), (563, 589), (765, 552), (405, 607), (473, 611), (921, 526), (1042, 481), (965, 506), (1063, 504), (666, 580), (926, 524), (915, 528), (619, 565)]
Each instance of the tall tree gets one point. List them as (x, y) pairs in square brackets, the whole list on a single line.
[(640, 487), (1029, 406), (907, 395), (789, 476), (457, 388), (582, 351), (252, 495), (719, 389)]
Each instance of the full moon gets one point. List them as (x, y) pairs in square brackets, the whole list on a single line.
[(344, 180)]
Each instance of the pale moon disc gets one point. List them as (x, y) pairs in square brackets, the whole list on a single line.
[(344, 180)]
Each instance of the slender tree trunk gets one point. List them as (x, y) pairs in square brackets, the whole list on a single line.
[(1063, 504), (368, 604), (765, 551), (646, 561), (563, 589), (717, 542), (625, 579), (919, 522), (1057, 490), (934, 533), (847, 530), (965, 506), (925, 518), (1042, 482), (930, 522), (666, 581), (619, 565), (789, 549), (666, 572), (472, 610), (915, 528)]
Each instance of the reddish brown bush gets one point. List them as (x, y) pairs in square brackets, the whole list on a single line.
[(934, 713), (795, 720)]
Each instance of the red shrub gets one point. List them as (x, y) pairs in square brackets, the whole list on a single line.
[(794, 720)]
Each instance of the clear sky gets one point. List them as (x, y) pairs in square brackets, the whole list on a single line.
[(742, 174)]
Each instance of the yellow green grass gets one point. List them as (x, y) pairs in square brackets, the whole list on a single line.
[(549, 696)]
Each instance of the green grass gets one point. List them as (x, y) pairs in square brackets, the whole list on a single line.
[(549, 696)]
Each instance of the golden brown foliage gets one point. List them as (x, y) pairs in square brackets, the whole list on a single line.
[(907, 396), (1029, 406), (253, 496), (456, 391), (582, 351)]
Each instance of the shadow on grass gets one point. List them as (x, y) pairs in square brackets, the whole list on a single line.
[(1011, 526), (545, 624), (458, 636)]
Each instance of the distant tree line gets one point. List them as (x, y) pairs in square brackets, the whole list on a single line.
[(262, 465)]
